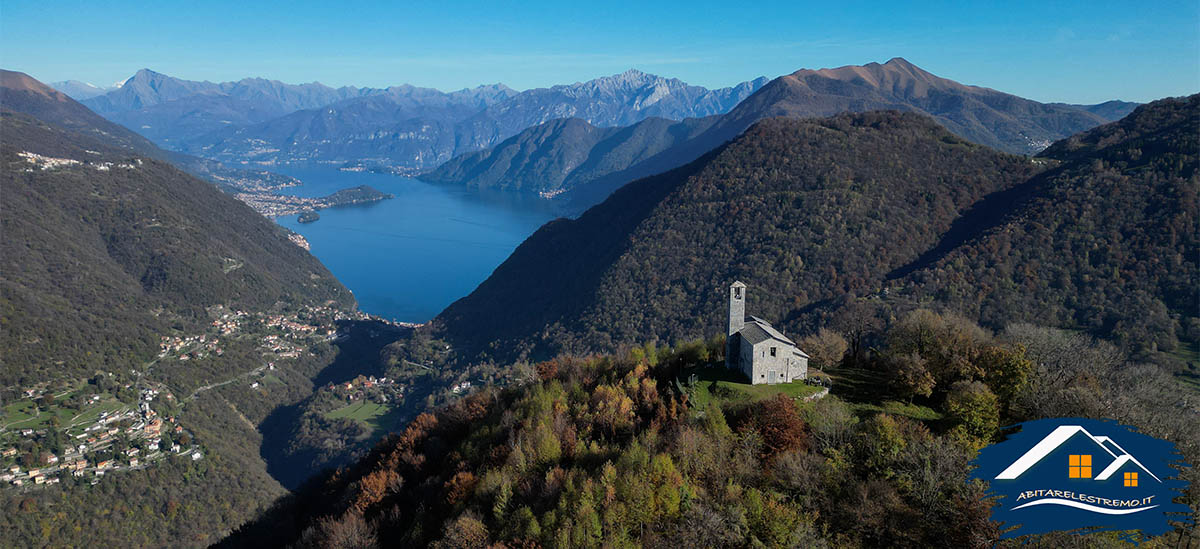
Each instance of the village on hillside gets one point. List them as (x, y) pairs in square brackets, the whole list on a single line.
[(85, 432), (79, 430)]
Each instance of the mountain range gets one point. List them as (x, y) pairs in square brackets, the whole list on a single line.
[(108, 247), (82, 90), (24, 94), (167, 109), (588, 165), (892, 205), (401, 127)]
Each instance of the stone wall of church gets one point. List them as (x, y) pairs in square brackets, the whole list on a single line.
[(763, 363)]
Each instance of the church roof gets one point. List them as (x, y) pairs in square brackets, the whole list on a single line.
[(758, 330)]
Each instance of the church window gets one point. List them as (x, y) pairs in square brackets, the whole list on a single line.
[(737, 293), (772, 351)]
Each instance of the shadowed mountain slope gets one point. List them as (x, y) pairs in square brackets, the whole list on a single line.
[(807, 209), (1104, 242), (1098, 234)]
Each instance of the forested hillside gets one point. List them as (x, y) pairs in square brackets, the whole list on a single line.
[(1099, 234), (21, 93), (646, 449), (132, 292), (1105, 242), (104, 254), (803, 211)]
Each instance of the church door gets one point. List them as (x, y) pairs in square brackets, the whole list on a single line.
[(771, 377)]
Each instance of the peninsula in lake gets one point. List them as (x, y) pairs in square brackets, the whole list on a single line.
[(276, 205)]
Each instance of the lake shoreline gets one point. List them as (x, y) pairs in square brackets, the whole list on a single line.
[(408, 258)]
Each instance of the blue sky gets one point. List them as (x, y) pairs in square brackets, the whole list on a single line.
[(1049, 51)]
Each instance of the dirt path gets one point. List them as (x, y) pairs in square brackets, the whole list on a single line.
[(223, 383)]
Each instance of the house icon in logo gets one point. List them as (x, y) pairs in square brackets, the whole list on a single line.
[(1062, 474), (1081, 465)]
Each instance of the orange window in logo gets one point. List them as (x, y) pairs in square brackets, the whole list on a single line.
[(1079, 466), (1131, 479)]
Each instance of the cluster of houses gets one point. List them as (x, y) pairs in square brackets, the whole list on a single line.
[(132, 437), (281, 347), (45, 163), (229, 323), (299, 240), (189, 347), (291, 327), (109, 442), (371, 388)]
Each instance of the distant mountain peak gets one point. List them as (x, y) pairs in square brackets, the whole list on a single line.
[(78, 90), (631, 78), (896, 75), (19, 81), (147, 74)]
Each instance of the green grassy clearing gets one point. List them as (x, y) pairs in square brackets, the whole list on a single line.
[(24, 414), (865, 391), (1189, 353), (717, 382), (374, 415), (359, 411)]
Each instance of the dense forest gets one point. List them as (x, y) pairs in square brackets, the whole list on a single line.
[(1105, 242), (884, 211), (800, 210), (640, 449)]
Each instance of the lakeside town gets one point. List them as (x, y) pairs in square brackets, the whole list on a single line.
[(272, 204)]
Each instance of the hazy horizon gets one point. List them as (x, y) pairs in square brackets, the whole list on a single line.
[(1048, 53)]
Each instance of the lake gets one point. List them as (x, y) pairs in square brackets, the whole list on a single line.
[(409, 257)]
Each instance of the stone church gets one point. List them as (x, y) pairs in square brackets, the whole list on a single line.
[(756, 348)]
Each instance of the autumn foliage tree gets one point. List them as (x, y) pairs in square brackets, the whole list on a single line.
[(779, 423), (591, 458), (908, 376), (826, 348), (975, 413)]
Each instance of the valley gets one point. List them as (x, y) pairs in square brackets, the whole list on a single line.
[(249, 313), (130, 420)]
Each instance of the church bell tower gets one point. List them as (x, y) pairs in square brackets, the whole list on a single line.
[(737, 319)]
